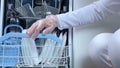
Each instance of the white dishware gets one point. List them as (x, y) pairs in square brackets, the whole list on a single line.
[(63, 47), (44, 51), (51, 51), (26, 53), (33, 51), (56, 51), (29, 51)]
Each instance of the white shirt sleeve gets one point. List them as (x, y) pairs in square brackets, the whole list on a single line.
[(92, 13)]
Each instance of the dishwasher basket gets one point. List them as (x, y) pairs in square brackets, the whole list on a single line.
[(11, 54)]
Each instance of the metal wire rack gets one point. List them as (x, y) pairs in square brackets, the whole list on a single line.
[(14, 54), (11, 56), (29, 14)]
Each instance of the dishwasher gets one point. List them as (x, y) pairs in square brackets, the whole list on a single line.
[(52, 50)]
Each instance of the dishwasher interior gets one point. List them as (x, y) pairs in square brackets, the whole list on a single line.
[(20, 15)]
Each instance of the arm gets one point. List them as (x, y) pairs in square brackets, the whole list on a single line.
[(92, 13), (89, 14)]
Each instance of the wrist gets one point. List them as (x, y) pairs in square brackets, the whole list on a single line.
[(54, 20)]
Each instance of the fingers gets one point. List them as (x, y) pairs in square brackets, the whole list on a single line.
[(35, 29), (48, 24), (38, 29), (30, 31), (48, 30)]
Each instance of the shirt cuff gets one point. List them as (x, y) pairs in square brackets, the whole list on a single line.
[(61, 23)]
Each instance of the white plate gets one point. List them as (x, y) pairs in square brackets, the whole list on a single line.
[(51, 51), (29, 50), (33, 51), (63, 45), (60, 48), (26, 53), (56, 51), (44, 51)]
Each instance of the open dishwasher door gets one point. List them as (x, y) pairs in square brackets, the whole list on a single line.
[(24, 13)]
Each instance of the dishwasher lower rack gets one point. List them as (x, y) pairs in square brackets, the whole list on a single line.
[(49, 60), (11, 56)]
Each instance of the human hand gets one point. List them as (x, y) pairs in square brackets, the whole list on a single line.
[(49, 23)]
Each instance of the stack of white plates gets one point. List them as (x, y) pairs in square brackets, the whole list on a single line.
[(51, 51)]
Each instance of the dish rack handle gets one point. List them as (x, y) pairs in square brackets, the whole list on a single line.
[(24, 35), (12, 25)]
